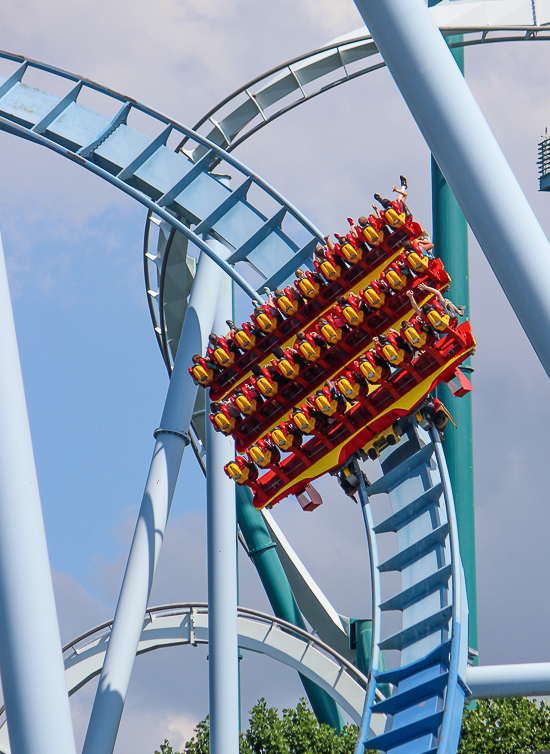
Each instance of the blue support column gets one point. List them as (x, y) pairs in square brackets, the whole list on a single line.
[(31, 663), (221, 518)]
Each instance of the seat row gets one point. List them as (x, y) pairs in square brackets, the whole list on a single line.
[(343, 416), (336, 269), (372, 368), (349, 311), (330, 349)]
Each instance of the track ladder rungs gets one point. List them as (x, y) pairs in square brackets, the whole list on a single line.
[(433, 687), (402, 517), (407, 733), (420, 630), (419, 591), (414, 552), (396, 675), (394, 477)]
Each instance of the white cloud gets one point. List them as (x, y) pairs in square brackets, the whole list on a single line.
[(181, 729)]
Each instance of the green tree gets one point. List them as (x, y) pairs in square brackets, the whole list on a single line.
[(495, 726), (505, 726), (296, 732)]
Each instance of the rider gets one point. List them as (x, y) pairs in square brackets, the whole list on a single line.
[(288, 301), (352, 309), (309, 283), (418, 332), (441, 313), (328, 264), (266, 317), (246, 337), (351, 384), (415, 256), (287, 362), (372, 367), (374, 295), (329, 330), (402, 191), (246, 399), (328, 400), (203, 370), (393, 347), (310, 345), (266, 379), (223, 351), (224, 417)]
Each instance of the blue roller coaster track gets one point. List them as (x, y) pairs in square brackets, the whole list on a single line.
[(424, 710)]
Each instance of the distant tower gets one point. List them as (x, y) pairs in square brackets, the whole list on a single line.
[(544, 162)]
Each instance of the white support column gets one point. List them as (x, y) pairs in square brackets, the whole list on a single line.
[(31, 663), (469, 156), (500, 681), (171, 439), (223, 668)]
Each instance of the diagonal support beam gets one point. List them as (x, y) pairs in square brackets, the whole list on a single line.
[(469, 156), (171, 440)]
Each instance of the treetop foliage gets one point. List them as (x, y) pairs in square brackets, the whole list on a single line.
[(494, 726), (296, 732), (505, 726)]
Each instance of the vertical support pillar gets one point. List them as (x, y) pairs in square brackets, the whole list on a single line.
[(171, 439), (450, 236), (221, 518), (31, 663)]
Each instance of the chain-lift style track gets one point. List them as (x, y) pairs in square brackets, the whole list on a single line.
[(267, 236), (424, 710)]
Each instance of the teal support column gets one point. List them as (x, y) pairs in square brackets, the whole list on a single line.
[(262, 550), (450, 236), (362, 633)]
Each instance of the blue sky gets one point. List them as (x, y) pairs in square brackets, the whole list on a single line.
[(93, 374)]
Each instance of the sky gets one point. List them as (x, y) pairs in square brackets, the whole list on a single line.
[(94, 378)]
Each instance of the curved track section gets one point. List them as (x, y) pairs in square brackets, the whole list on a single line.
[(187, 623), (425, 708), (274, 93), (278, 91), (106, 133)]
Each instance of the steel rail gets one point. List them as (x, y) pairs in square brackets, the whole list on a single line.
[(217, 151), (376, 589), (17, 130), (154, 319), (449, 716), (176, 125), (532, 33)]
